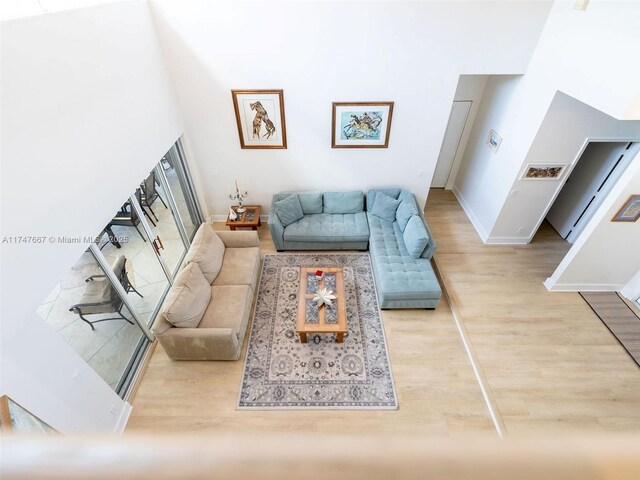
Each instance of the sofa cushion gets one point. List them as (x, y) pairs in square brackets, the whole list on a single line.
[(289, 209), (240, 266), (406, 210), (385, 207), (228, 308), (207, 251), (371, 195), (415, 236), (188, 298), (324, 227), (311, 202), (343, 202)]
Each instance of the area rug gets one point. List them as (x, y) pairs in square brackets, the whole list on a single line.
[(280, 372)]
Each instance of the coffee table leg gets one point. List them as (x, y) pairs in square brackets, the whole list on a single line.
[(254, 228), (303, 338), (339, 337), (233, 229)]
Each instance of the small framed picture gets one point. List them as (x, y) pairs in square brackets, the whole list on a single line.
[(494, 140), (630, 211), (538, 171), (260, 118), (361, 124)]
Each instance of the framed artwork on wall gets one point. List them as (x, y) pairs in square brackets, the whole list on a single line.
[(494, 140), (542, 171), (260, 118), (361, 124), (630, 211)]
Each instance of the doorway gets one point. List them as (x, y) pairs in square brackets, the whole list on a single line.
[(594, 175), (451, 142)]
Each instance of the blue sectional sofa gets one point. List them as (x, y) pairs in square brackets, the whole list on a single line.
[(402, 280), (321, 221), (387, 221)]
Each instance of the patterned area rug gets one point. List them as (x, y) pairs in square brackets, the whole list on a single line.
[(282, 373)]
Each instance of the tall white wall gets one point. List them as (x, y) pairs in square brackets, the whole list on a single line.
[(87, 111), (605, 256), (470, 88), (632, 289), (584, 54), (411, 53)]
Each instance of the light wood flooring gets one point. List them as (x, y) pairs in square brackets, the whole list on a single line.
[(550, 364)]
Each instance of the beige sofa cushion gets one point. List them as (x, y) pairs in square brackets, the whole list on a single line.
[(188, 298), (240, 266), (229, 308), (207, 250)]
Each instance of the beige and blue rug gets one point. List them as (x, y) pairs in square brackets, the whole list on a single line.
[(282, 373)]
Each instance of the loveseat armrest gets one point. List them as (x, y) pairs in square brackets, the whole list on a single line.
[(200, 343), (277, 230), (239, 239)]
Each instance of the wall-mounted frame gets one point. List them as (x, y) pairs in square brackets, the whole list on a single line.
[(494, 140), (630, 211), (361, 124), (260, 118), (543, 171)]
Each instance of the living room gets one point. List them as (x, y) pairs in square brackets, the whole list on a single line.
[(108, 89)]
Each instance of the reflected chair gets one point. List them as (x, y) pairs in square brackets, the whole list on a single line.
[(150, 193), (100, 297), (127, 217)]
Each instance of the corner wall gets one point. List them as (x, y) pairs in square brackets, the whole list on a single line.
[(87, 111)]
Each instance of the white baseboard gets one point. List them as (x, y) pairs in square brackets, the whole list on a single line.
[(507, 241), (583, 287), (124, 418), (472, 216)]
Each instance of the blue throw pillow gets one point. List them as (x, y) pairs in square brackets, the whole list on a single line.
[(415, 236), (385, 207), (289, 209), (343, 202), (406, 210), (311, 202)]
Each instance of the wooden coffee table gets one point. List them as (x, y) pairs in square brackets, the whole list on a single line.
[(312, 319), (249, 219)]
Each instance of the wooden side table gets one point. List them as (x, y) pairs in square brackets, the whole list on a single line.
[(248, 219)]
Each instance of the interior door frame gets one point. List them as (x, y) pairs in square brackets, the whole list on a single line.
[(567, 173)]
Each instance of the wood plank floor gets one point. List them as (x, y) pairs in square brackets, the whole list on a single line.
[(551, 365)]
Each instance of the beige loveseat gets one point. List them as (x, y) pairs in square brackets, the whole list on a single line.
[(206, 312)]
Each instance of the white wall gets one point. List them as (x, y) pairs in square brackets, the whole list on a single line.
[(87, 111), (632, 289), (411, 53), (585, 54), (566, 128), (605, 256), (483, 174), (470, 87)]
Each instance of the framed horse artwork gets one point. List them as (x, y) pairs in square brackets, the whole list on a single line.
[(361, 124), (260, 118)]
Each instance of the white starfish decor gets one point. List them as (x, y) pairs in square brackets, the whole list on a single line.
[(324, 297)]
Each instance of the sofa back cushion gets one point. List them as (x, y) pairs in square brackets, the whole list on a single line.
[(385, 207), (289, 209), (343, 202), (207, 250), (188, 298), (311, 202), (371, 195), (415, 236), (406, 210)]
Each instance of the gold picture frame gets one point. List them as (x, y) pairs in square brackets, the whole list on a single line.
[(260, 118), (630, 211), (361, 124)]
